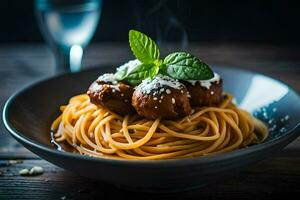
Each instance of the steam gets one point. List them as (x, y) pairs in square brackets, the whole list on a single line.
[(159, 18)]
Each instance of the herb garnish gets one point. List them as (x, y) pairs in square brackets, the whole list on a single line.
[(178, 65)]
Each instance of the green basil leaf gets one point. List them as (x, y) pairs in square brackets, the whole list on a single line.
[(184, 66), (121, 74), (127, 68), (154, 71), (142, 72), (143, 47)]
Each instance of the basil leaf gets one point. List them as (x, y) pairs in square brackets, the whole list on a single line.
[(154, 71), (142, 72), (143, 47), (184, 66), (121, 74), (127, 68)]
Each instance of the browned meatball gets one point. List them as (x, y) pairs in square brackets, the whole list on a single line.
[(114, 95), (205, 93), (161, 97)]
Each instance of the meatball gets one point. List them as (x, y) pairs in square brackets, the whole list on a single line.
[(108, 92), (161, 97), (205, 92)]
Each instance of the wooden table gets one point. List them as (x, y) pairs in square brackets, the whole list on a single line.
[(24, 64)]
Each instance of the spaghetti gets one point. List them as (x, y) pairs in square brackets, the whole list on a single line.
[(95, 131)]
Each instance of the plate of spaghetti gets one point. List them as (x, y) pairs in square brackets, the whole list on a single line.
[(152, 123)]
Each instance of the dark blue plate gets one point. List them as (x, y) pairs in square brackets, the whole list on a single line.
[(28, 114)]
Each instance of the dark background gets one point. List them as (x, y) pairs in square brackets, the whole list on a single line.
[(257, 35), (260, 21)]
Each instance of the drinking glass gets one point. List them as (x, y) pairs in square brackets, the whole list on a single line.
[(68, 26)]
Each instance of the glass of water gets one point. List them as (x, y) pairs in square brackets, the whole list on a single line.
[(68, 26)]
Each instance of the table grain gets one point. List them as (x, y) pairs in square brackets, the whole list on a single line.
[(22, 64)]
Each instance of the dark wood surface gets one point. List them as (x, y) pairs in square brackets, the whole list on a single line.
[(23, 64)]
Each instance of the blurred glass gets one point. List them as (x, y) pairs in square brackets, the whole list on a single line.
[(68, 26)]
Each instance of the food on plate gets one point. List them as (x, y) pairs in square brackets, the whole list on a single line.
[(153, 109)]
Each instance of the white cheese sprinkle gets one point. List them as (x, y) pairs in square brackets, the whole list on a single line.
[(96, 87), (173, 101), (168, 91), (159, 81), (115, 88), (188, 95), (129, 66), (108, 78), (206, 83)]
